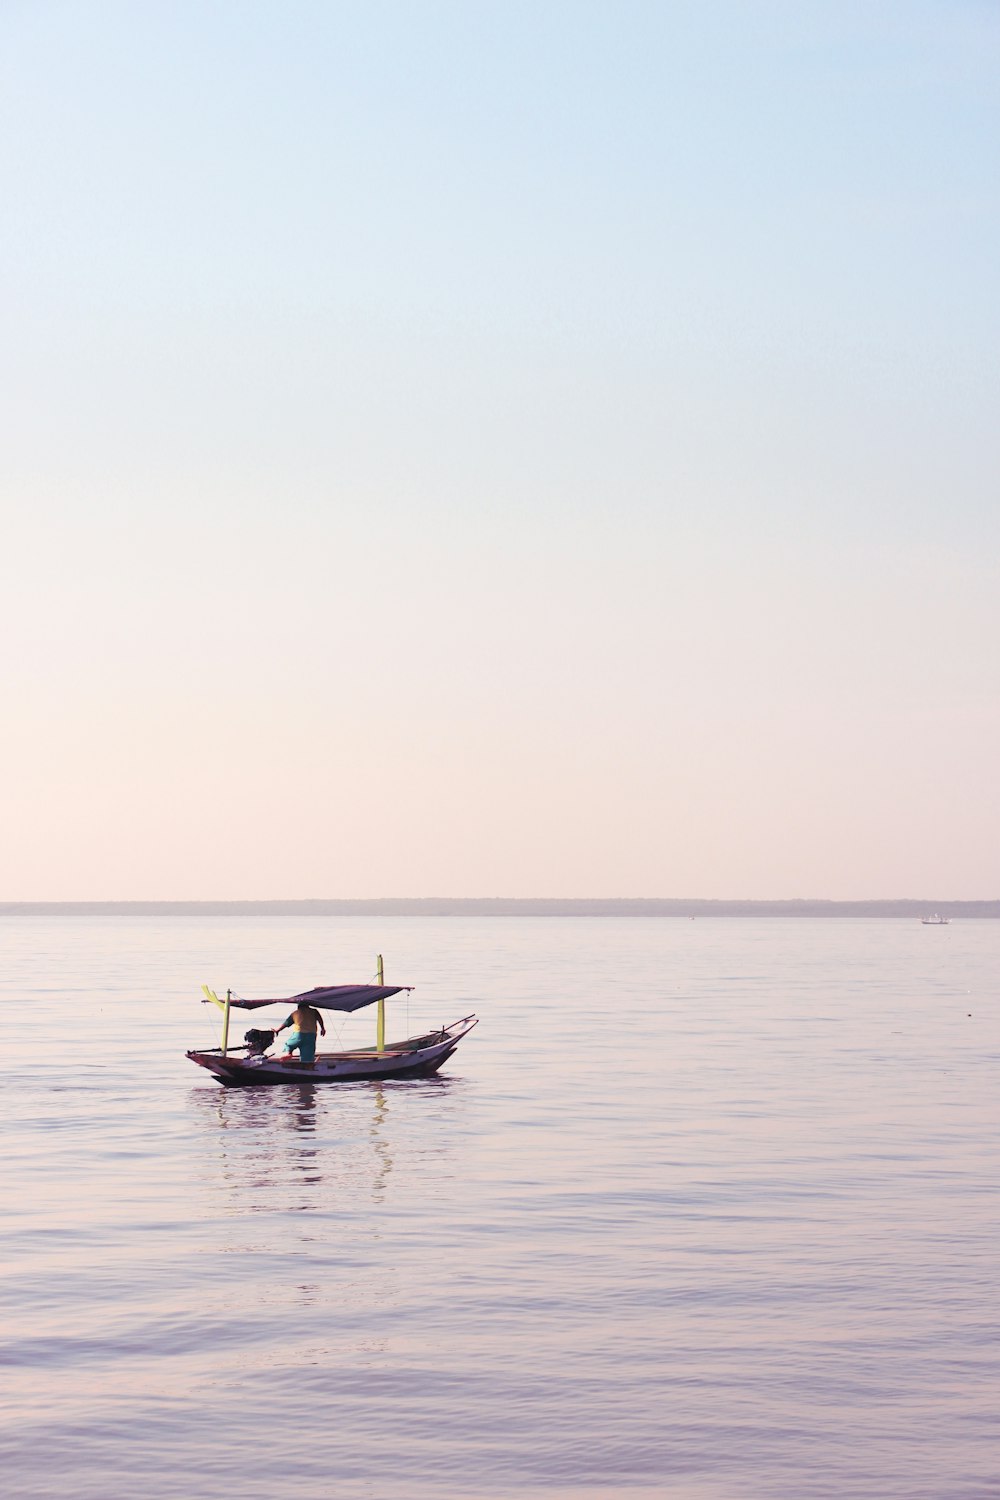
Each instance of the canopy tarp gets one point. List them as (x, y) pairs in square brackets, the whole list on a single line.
[(330, 997)]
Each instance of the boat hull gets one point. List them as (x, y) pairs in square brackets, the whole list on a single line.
[(419, 1057)]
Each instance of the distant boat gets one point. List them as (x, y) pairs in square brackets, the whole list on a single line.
[(935, 921)]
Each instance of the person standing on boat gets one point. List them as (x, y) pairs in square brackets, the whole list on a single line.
[(304, 1022)]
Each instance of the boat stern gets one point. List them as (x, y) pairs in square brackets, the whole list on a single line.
[(224, 1068)]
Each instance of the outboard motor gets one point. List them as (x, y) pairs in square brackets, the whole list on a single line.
[(257, 1041)]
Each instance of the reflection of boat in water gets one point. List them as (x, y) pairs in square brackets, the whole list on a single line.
[(935, 921), (251, 1065)]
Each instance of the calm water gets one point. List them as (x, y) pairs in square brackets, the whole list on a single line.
[(702, 1209)]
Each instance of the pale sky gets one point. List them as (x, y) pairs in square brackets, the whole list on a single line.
[(542, 449)]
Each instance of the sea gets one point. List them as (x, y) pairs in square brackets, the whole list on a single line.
[(702, 1209)]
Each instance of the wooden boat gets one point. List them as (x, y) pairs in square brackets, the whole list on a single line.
[(252, 1065)]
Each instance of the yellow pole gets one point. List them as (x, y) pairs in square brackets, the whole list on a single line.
[(225, 1023), (380, 1032)]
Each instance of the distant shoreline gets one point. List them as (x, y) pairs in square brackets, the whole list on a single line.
[(476, 906)]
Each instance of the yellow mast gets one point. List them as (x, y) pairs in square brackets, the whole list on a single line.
[(212, 997), (225, 1022), (380, 1029)]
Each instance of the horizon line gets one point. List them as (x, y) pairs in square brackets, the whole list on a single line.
[(512, 905)]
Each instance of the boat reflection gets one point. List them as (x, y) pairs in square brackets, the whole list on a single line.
[(380, 1139), (299, 1178), (313, 1149)]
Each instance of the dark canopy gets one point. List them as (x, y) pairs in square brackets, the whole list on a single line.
[(331, 997)]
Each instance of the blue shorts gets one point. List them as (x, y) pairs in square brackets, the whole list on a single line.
[(305, 1041)]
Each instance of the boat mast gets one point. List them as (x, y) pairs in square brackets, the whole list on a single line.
[(225, 1022), (380, 1025)]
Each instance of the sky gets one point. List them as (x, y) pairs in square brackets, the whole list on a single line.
[(524, 449)]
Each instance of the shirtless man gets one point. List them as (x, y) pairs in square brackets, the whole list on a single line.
[(304, 1022)]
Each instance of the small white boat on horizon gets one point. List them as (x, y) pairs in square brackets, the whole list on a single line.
[(935, 921)]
